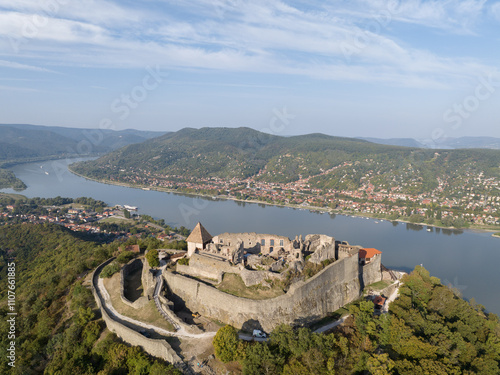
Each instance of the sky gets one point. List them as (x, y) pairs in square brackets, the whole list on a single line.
[(388, 69)]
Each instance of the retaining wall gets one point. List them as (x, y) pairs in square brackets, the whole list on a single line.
[(305, 302)]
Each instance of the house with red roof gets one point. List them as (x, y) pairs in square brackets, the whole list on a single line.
[(367, 255)]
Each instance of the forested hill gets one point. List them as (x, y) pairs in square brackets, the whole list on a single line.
[(58, 325), (326, 161), (25, 143)]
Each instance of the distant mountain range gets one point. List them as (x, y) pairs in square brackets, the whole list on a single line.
[(27, 142), (445, 143)]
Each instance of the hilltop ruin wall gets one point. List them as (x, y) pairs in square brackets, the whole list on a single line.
[(132, 266), (371, 273), (157, 348), (305, 302)]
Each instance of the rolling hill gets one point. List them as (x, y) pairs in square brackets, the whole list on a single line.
[(444, 143), (325, 161), (24, 143)]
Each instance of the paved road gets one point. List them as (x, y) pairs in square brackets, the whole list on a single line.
[(251, 338)]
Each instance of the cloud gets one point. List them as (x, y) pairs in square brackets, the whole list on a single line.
[(17, 89), (310, 38), (495, 11), (456, 16), (16, 65), (91, 11)]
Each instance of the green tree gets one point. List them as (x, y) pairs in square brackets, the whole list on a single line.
[(152, 257), (259, 360), (125, 257), (226, 343)]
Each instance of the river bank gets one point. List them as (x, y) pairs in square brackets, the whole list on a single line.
[(323, 210)]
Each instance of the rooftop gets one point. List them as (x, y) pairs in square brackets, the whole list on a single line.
[(199, 235), (368, 253)]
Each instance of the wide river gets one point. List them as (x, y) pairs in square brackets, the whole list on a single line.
[(468, 260)]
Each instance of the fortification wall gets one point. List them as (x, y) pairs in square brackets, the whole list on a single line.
[(211, 268), (335, 286), (322, 246), (253, 241), (371, 272), (130, 267), (157, 348), (148, 280), (206, 266)]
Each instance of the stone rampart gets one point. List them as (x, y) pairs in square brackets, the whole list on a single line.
[(148, 280), (321, 246), (209, 267), (371, 273), (130, 267), (327, 291), (157, 348)]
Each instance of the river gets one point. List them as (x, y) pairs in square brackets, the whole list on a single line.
[(466, 260)]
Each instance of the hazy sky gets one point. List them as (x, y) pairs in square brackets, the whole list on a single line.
[(374, 68)]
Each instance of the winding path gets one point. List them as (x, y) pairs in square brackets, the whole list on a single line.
[(158, 286), (137, 324)]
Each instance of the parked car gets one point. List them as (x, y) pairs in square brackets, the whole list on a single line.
[(259, 334)]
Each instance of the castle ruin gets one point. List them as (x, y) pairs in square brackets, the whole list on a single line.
[(259, 258)]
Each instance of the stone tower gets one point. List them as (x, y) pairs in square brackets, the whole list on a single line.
[(198, 239)]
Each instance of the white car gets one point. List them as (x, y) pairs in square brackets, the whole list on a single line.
[(259, 334)]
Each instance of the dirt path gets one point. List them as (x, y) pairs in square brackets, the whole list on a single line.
[(392, 297)]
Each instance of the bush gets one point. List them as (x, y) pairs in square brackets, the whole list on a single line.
[(125, 257), (110, 270), (183, 261)]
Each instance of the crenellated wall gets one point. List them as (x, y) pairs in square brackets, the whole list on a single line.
[(332, 288)]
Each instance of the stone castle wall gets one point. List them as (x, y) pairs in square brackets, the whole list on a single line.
[(212, 268), (157, 348), (133, 265), (371, 272), (206, 266), (148, 280), (252, 242), (305, 302)]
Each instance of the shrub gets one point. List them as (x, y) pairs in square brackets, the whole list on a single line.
[(110, 270), (183, 261), (125, 257)]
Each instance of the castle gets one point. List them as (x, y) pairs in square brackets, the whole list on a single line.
[(349, 269)]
